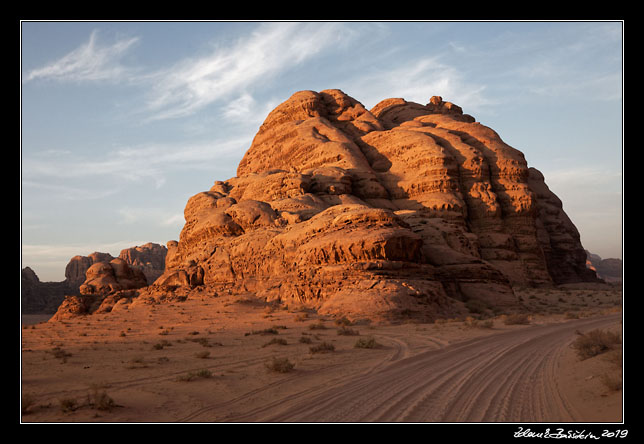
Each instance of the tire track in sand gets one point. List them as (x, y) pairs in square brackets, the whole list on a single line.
[(500, 378)]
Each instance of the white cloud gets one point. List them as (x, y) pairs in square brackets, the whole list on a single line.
[(89, 62), (418, 82), (252, 61)]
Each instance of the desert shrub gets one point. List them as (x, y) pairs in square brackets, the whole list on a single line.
[(205, 373), (202, 354), (346, 331), (305, 340), (161, 345), (280, 365), (343, 321), (100, 400), (517, 319), (68, 405), (61, 354), (279, 341), (317, 326), (367, 343), (595, 342), (322, 348), (476, 323), (266, 331), (571, 315)]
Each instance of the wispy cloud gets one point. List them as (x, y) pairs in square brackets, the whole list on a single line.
[(121, 167), (418, 82), (232, 71), (89, 62)]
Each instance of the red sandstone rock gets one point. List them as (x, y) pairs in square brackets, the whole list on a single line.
[(403, 210), (149, 258)]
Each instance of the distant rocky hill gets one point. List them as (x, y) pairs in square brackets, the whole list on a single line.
[(610, 270), (41, 297), (45, 297)]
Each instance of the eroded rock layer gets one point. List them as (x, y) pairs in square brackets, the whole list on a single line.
[(403, 209)]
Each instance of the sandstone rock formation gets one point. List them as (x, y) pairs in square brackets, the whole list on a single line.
[(149, 258), (402, 209), (78, 265), (105, 284)]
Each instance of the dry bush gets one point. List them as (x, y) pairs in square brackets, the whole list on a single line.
[(100, 400), (278, 341), (280, 365), (595, 343), (205, 373), (346, 331), (68, 405), (367, 343), (317, 326), (477, 323), (305, 340), (322, 348), (517, 319)]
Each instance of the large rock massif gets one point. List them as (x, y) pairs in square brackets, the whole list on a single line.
[(402, 210)]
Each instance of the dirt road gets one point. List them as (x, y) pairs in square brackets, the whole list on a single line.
[(508, 377)]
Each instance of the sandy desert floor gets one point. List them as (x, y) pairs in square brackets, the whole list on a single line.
[(207, 360)]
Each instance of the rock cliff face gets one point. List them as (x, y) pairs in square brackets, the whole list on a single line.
[(149, 258), (406, 208)]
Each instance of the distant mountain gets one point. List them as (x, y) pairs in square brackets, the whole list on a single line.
[(610, 270), (45, 297)]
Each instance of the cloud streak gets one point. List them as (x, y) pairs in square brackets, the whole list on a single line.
[(272, 48), (90, 62)]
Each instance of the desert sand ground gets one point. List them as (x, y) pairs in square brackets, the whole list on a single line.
[(207, 360)]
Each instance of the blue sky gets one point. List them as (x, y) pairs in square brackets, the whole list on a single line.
[(123, 121)]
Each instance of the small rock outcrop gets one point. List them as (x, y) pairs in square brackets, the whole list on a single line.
[(105, 284)]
